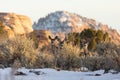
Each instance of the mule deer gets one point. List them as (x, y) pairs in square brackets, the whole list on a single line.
[(56, 47)]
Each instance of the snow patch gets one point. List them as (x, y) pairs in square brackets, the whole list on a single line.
[(53, 74)]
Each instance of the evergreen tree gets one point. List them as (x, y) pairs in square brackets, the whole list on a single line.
[(106, 37), (99, 36), (92, 45), (88, 34), (74, 38), (1, 29)]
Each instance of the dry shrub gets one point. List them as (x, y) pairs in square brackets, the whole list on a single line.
[(101, 62), (108, 57), (21, 49), (92, 63), (107, 48), (69, 57), (116, 63), (45, 59), (2, 59), (65, 58)]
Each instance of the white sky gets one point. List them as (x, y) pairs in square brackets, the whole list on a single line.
[(105, 11)]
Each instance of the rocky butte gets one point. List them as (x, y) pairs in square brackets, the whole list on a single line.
[(22, 25), (16, 24)]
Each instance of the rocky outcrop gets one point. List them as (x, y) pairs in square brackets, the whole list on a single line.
[(63, 21), (19, 24), (41, 37)]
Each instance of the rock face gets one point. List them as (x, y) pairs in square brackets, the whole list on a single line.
[(41, 37), (63, 21), (19, 24)]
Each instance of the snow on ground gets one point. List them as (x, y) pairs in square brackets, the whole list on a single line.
[(52, 74)]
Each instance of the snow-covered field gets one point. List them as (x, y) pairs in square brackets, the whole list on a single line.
[(52, 74)]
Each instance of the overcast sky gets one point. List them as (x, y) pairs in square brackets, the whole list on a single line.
[(105, 11)]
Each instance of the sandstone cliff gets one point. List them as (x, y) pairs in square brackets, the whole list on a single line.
[(17, 24)]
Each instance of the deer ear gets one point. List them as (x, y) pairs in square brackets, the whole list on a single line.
[(50, 37), (56, 37)]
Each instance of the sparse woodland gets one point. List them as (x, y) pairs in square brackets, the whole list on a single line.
[(100, 53)]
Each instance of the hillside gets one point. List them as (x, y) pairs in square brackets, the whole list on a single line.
[(63, 21)]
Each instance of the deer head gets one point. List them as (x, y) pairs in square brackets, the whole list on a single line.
[(61, 42), (53, 39), (55, 47)]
